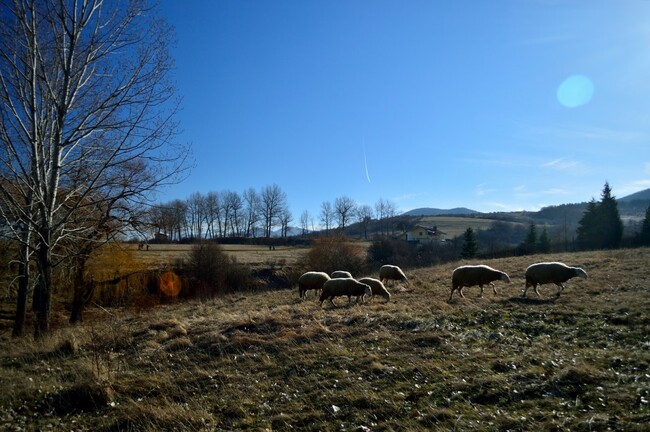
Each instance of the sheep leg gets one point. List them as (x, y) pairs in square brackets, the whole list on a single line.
[(537, 290), (460, 291), (560, 287), (494, 288), (331, 299), (481, 290)]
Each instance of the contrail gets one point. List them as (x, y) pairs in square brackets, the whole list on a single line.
[(365, 160)]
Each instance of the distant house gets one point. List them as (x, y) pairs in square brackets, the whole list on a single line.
[(424, 234)]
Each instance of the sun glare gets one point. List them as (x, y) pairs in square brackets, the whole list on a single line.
[(170, 284), (575, 91)]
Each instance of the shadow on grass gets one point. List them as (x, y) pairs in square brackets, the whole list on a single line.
[(529, 300)]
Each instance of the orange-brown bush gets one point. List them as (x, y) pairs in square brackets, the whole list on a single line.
[(328, 254)]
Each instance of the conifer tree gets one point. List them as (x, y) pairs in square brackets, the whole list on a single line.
[(586, 233), (530, 243), (601, 226), (470, 245), (544, 244), (611, 225)]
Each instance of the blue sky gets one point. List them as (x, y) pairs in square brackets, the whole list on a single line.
[(492, 105)]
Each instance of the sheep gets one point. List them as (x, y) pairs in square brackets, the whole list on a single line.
[(341, 274), (391, 273), (344, 287), (311, 280), (551, 272), (470, 275), (377, 287)]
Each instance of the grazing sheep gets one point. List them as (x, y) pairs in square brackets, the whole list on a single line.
[(391, 273), (470, 275), (377, 287), (311, 280), (344, 287), (341, 274), (551, 272)]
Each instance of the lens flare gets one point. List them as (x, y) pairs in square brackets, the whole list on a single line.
[(170, 284), (575, 91)]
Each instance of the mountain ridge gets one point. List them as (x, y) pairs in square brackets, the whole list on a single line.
[(643, 195)]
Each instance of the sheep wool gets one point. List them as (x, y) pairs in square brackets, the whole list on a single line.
[(471, 275), (391, 273), (311, 280), (551, 272), (344, 287), (341, 274), (378, 288)]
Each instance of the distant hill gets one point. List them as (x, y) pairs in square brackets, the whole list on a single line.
[(428, 211), (643, 195), (291, 232)]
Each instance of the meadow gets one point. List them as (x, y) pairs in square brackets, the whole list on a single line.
[(270, 361)]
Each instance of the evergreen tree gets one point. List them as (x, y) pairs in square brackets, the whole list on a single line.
[(643, 237), (601, 226), (544, 244), (610, 219), (470, 245), (586, 232), (530, 243)]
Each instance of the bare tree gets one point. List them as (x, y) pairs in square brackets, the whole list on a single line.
[(167, 218), (384, 209), (84, 92), (304, 222), (252, 211), (364, 215), (177, 217), (195, 215), (213, 214), (344, 207), (273, 203), (285, 220), (327, 215), (391, 212), (232, 206)]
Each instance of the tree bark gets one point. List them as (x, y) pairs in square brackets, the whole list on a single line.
[(21, 303), (44, 287), (83, 292)]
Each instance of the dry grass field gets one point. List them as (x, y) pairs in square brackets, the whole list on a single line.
[(455, 226), (270, 361), (127, 258), (164, 255)]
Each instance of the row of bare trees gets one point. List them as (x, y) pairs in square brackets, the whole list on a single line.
[(223, 214), (86, 132), (256, 213), (345, 211)]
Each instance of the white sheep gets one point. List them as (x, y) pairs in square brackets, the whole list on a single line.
[(344, 287), (471, 275), (377, 287), (551, 272), (391, 273), (341, 274), (311, 280)]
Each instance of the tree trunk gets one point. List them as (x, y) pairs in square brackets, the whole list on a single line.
[(83, 292), (44, 289), (21, 304)]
